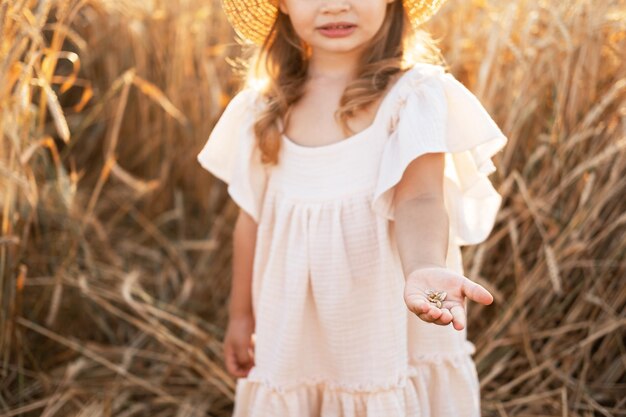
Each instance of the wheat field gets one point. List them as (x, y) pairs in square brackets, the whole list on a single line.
[(115, 244)]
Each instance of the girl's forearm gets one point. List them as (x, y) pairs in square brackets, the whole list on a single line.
[(244, 240), (421, 228)]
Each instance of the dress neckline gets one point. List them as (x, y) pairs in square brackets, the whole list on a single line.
[(352, 138)]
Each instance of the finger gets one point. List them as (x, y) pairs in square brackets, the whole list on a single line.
[(431, 315), (243, 355), (446, 317), (458, 314), (418, 306), (425, 317), (241, 371), (476, 292), (251, 353), (231, 361)]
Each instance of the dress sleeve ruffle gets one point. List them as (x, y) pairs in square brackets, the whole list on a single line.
[(230, 153), (434, 112)]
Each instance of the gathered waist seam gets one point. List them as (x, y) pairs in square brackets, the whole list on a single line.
[(364, 192)]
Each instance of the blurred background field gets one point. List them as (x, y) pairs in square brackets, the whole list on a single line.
[(115, 244)]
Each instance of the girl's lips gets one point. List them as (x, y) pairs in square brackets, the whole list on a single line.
[(337, 31)]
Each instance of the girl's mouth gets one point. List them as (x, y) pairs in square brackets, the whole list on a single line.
[(337, 30)]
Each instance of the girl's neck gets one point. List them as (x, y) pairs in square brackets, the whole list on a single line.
[(333, 66)]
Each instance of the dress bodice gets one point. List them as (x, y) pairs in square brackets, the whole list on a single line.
[(341, 169)]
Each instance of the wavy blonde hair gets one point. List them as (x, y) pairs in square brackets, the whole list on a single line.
[(280, 64)]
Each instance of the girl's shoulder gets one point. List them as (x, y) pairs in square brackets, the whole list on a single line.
[(420, 79), (419, 71), (432, 89), (248, 98), (242, 109), (425, 69)]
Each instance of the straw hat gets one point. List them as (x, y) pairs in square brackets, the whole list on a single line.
[(252, 19)]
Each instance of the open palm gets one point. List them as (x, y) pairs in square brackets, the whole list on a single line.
[(457, 287)]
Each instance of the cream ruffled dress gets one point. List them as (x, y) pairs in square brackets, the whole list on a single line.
[(333, 334)]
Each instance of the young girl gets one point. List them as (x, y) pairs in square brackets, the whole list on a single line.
[(359, 173)]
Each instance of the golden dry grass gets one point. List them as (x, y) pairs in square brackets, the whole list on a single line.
[(114, 247)]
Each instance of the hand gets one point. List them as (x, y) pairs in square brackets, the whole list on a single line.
[(454, 284), (239, 345)]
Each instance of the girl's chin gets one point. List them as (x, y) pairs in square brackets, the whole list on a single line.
[(336, 46)]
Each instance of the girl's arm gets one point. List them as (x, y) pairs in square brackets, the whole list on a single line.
[(421, 220), (244, 240), (422, 228), (238, 340)]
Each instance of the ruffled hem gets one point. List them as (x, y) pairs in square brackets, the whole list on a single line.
[(434, 385)]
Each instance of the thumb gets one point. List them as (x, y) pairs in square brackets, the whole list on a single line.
[(476, 292)]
